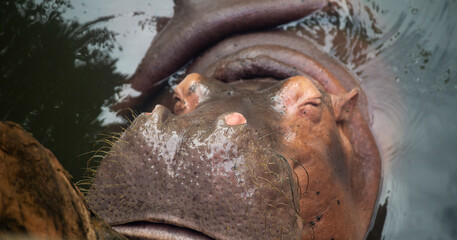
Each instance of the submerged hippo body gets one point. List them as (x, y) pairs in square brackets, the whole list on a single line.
[(268, 138)]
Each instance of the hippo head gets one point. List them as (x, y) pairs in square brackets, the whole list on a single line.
[(247, 160)]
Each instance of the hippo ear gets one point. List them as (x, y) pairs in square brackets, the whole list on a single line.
[(344, 104)]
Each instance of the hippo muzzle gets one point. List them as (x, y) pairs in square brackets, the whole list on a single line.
[(210, 171)]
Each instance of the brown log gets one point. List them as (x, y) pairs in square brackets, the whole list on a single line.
[(37, 197)]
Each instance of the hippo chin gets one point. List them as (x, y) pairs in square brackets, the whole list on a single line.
[(260, 159)]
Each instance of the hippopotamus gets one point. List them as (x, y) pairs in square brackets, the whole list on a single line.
[(266, 137), (260, 159)]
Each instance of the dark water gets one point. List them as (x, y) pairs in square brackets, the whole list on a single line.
[(62, 62)]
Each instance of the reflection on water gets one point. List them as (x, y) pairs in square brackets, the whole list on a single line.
[(58, 67)]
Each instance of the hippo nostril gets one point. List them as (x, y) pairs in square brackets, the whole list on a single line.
[(235, 119), (160, 113)]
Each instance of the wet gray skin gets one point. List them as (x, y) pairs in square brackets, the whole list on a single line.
[(197, 171)]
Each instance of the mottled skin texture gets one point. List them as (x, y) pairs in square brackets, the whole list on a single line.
[(196, 25), (267, 161)]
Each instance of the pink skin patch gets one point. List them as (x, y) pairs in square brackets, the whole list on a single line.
[(235, 119)]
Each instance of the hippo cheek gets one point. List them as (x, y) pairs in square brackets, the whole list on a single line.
[(219, 181), (316, 140)]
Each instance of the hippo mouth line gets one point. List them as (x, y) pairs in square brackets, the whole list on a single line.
[(143, 230)]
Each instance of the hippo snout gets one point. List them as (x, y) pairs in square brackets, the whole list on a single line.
[(213, 176)]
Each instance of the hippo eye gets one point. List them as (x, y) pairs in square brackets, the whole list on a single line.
[(192, 88), (309, 106), (314, 102)]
